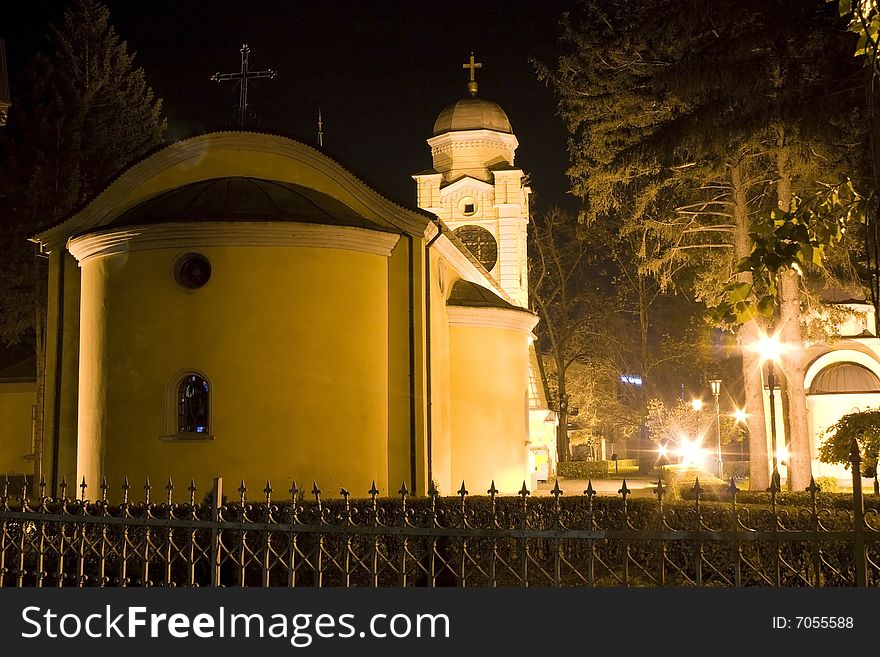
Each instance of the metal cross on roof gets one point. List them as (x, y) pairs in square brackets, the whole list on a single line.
[(472, 82), (242, 78)]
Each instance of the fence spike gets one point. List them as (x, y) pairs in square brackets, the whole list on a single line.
[(316, 491), (813, 488), (63, 487), (4, 492), (732, 489), (192, 491), (268, 492), (590, 491), (524, 492), (42, 486), (432, 490), (293, 490), (104, 488), (169, 489), (403, 492), (697, 488), (147, 488), (557, 491), (373, 490), (659, 491), (775, 484), (345, 494), (623, 490), (462, 491), (492, 490), (242, 492), (82, 488), (125, 487)]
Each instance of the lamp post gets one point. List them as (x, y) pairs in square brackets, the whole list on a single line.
[(716, 391), (770, 349)]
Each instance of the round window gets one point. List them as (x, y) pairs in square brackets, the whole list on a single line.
[(481, 243), (192, 271)]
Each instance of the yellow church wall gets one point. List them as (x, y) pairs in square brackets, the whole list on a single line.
[(62, 369), (400, 444), (489, 423), (293, 343), (16, 404), (446, 479)]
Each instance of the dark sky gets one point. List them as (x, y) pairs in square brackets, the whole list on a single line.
[(380, 71)]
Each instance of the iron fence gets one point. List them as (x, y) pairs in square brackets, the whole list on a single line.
[(463, 540)]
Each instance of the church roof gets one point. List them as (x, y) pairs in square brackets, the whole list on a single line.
[(240, 198), (845, 377), (466, 293), (472, 114)]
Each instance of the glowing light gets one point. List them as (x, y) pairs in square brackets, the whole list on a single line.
[(692, 452), (768, 347), (740, 415), (782, 454), (632, 379), (697, 404), (662, 450)]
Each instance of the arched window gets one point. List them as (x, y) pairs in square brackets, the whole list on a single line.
[(192, 405)]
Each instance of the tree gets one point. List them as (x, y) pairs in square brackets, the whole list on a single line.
[(562, 296), (677, 111), (89, 114), (863, 428)]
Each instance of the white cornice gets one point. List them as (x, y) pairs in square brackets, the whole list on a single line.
[(189, 152), (163, 236), (508, 141), (505, 318)]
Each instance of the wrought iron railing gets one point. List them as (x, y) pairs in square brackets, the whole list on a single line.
[(464, 540)]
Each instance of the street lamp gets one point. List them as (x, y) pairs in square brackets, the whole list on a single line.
[(741, 417), (716, 391), (770, 350)]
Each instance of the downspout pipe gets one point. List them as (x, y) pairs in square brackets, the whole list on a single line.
[(429, 402), (412, 362)]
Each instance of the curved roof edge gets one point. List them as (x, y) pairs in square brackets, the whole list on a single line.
[(107, 202)]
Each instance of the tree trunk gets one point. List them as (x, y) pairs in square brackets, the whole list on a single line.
[(749, 334), (562, 454), (795, 419)]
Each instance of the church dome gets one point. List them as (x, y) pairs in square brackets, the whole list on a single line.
[(844, 378), (472, 114), (243, 199)]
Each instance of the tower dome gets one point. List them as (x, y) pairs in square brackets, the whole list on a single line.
[(472, 114)]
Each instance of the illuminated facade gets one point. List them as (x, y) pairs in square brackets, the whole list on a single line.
[(240, 305), (840, 377)]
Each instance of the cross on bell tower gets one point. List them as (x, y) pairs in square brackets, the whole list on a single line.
[(242, 78)]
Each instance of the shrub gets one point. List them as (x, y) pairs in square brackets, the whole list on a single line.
[(596, 469), (679, 483), (738, 470), (828, 484), (583, 469)]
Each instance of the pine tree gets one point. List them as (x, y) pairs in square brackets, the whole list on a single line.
[(89, 113)]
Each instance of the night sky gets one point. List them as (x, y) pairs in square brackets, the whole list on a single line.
[(381, 72)]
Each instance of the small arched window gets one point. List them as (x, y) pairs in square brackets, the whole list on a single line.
[(193, 398)]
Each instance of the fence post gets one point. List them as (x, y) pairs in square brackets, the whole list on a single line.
[(216, 502), (859, 555)]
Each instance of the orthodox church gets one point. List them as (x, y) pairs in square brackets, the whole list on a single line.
[(239, 304)]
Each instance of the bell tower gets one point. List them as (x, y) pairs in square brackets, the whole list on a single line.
[(475, 188)]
